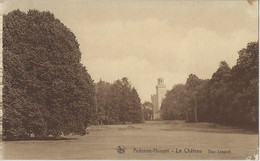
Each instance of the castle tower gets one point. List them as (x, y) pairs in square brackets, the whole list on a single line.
[(160, 91), (158, 97)]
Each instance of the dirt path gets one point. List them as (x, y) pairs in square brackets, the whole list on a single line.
[(150, 140)]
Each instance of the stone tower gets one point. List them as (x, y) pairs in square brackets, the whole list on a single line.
[(158, 97), (160, 91)]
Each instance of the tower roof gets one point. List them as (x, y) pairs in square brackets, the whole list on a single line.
[(160, 81)]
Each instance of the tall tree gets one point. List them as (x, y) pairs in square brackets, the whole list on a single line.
[(47, 91), (118, 102), (176, 104), (193, 84), (102, 97), (245, 75), (220, 94), (136, 107)]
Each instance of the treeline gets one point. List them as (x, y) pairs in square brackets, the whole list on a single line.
[(117, 103), (230, 97), (47, 91)]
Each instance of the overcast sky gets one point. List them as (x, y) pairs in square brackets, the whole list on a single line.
[(147, 39)]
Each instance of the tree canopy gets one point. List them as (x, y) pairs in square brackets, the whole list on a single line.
[(47, 91), (118, 102)]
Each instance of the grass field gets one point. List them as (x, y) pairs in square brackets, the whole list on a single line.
[(166, 136)]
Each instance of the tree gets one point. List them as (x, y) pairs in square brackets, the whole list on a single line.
[(147, 111), (193, 84), (118, 102), (203, 100), (176, 104), (102, 96), (220, 95), (47, 91), (135, 108), (245, 75)]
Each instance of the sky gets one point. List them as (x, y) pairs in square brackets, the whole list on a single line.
[(144, 40)]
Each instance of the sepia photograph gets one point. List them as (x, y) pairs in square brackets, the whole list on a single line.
[(129, 80)]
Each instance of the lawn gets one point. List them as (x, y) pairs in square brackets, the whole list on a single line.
[(149, 140)]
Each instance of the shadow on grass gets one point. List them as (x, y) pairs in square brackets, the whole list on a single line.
[(129, 127), (215, 131), (40, 139), (206, 127)]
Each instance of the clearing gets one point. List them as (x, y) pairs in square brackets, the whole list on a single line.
[(149, 140)]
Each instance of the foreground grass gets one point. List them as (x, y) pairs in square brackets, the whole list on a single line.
[(102, 141)]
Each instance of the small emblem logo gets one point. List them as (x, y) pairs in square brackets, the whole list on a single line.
[(121, 149)]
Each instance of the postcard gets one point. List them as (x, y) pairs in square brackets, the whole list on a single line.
[(129, 80)]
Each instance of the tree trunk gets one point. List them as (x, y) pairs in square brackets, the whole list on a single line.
[(195, 111), (186, 116)]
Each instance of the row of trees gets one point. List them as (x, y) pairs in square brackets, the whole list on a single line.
[(118, 102), (229, 97)]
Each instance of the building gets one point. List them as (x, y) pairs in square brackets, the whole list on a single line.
[(158, 97)]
